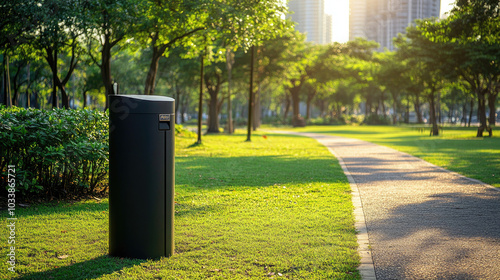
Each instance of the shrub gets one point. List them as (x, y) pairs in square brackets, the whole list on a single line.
[(375, 119), (57, 154), (183, 132), (327, 121), (354, 119)]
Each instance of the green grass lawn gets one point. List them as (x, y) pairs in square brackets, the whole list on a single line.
[(456, 149), (274, 208)]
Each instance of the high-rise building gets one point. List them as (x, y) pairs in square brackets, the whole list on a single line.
[(357, 19), (310, 18), (382, 20), (328, 28)]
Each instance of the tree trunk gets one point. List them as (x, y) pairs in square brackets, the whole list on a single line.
[(394, 115), (184, 106), (418, 110), (297, 120), (368, 105), (149, 87), (439, 108), (287, 107), (106, 69), (52, 56), (64, 96), (464, 114), (16, 86), (250, 98), (257, 109), (28, 76), (471, 110), (407, 116), (213, 110), (294, 93), (150, 84), (451, 113), (338, 111), (7, 100), (321, 106), (432, 103), (177, 102), (382, 104), (200, 102), (229, 66), (308, 109), (52, 61), (213, 120), (481, 108), (158, 51), (84, 93), (36, 104), (492, 98), (310, 97)]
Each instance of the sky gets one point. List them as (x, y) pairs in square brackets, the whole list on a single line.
[(339, 9)]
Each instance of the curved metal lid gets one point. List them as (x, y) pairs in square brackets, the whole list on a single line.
[(141, 104)]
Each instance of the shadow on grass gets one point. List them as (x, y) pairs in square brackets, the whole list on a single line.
[(248, 171), (55, 208), (183, 209), (195, 144), (90, 269)]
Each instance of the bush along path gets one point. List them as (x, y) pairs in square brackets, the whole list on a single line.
[(278, 207), (423, 221), (58, 154)]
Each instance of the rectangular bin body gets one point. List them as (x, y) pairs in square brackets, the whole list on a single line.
[(141, 176)]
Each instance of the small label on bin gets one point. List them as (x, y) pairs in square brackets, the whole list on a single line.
[(164, 117)]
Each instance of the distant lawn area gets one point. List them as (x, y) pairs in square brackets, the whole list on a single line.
[(278, 207), (456, 149)]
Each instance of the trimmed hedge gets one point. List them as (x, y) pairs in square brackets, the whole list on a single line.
[(57, 154)]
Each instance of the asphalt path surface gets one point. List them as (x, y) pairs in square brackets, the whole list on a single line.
[(422, 222)]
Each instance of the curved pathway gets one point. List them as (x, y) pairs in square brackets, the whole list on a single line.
[(422, 221)]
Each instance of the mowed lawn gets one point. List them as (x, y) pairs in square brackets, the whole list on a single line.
[(456, 149), (278, 207)]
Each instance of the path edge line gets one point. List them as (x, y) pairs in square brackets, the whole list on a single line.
[(366, 267)]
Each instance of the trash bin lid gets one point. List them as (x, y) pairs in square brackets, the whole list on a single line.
[(141, 104)]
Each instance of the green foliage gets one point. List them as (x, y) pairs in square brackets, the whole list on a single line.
[(327, 121), (183, 132), (58, 153), (374, 119)]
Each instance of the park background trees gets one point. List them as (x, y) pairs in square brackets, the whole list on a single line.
[(75, 53)]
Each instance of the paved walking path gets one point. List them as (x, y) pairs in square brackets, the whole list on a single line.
[(423, 222)]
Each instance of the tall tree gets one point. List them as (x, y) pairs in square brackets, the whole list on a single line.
[(391, 75), (109, 23), (58, 31), (167, 23), (470, 38), (229, 67), (17, 22), (427, 56)]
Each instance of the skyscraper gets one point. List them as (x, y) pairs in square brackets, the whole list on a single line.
[(357, 19), (328, 28), (382, 20), (310, 18)]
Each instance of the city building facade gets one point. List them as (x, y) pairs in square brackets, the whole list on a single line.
[(382, 20), (310, 19)]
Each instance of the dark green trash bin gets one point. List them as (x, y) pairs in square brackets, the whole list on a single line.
[(141, 176)]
